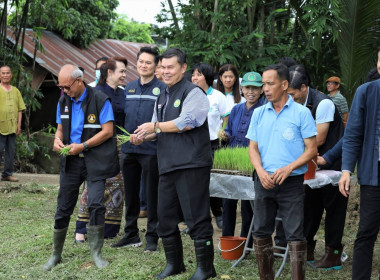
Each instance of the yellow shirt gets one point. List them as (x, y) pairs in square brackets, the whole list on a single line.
[(11, 103)]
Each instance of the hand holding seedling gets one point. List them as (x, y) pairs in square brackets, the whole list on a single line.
[(58, 144)]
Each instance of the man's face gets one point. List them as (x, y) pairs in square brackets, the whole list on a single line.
[(145, 65), (332, 86), (172, 71), (118, 76), (70, 86), (100, 63), (5, 75), (273, 88), (298, 95)]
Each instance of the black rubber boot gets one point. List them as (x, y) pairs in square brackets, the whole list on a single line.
[(95, 236), (204, 251), (174, 256), (59, 241)]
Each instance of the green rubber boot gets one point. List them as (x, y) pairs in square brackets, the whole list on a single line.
[(95, 236), (59, 240)]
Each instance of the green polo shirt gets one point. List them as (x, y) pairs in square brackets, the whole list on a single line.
[(11, 103)]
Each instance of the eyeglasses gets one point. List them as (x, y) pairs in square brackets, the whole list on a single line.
[(67, 87)]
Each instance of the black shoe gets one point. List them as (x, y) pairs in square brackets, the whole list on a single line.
[(128, 242), (219, 221), (150, 247), (76, 241)]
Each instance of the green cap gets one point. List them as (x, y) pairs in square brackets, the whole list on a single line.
[(252, 79)]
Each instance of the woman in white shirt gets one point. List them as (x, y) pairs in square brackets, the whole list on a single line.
[(228, 83), (203, 76)]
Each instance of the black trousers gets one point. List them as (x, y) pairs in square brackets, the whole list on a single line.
[(186, 190), (216, 203), (330, 199), (7, 144), (132, 167), (288, 200), (70, 182), (367, 233), (229, 217)]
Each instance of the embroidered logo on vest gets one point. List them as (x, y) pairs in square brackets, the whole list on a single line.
[(91, 118), (66, 109), (177, 103), (132, 90), (156, 91)]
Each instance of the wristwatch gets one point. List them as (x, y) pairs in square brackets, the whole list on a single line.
[(85, 146), (157, 130)]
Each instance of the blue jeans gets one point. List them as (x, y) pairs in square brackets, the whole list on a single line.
[(7, 143)]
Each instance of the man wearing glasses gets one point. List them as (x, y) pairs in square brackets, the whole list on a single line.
[(333, 84), (85, 125)]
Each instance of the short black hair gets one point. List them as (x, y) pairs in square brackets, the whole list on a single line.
[(180, 54), (104, 58), (150, 50), (373, 74), (298, 77), (288, 61), (281, 69), (206, 70)]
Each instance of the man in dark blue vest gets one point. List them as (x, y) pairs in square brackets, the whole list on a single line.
[(85, 125), (141, 95), (330, 129), (179, 124)]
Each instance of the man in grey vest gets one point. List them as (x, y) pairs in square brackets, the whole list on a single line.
[(179, 124)]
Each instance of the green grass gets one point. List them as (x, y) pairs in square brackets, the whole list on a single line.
[(233, 159), (26, 228)]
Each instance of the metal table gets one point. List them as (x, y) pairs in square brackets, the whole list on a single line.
[(242, 187)]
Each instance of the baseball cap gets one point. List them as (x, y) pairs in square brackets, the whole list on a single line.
[(252, 79), (333, 79)]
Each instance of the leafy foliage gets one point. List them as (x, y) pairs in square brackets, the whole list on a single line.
[(358, 41), (130, 31), (252, 34), (78, 21)]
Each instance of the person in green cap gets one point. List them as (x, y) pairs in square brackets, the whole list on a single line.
[(235, 133)]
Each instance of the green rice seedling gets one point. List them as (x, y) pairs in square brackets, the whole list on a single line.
[(233, 159), (122, 138), (65, 151)]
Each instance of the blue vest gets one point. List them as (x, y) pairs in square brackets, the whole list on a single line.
[(188, 149), (138, 109), (101, 161)]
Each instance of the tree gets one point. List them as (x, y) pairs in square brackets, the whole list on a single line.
[(358, 40), (78, 21), (130, 31), (255, 33)]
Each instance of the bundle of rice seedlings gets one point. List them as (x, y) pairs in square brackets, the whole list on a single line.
[(65, 151), (122, 138)]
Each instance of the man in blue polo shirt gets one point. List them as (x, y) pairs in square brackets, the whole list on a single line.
[(282, 140), (85, 125), (141, 96)]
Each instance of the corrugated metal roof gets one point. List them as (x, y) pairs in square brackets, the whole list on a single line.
[(59, 52)]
